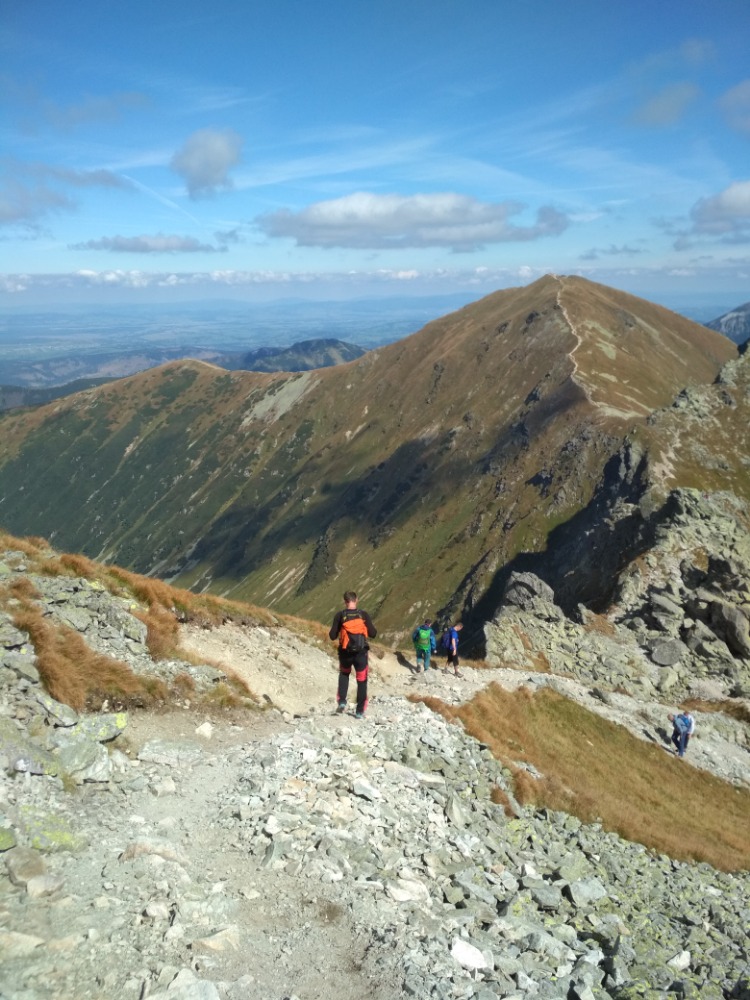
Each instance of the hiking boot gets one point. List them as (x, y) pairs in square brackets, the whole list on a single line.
[(359, 715), (457, 673), (341, 709)]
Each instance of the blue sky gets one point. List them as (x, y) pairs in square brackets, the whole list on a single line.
[(347, 148)]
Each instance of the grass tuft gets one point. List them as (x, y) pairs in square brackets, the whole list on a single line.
[(76, 675), (734, 709)]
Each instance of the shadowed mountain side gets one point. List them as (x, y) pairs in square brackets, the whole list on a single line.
[(584, 555), (431, 461)]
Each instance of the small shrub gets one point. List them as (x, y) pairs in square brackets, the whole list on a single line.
[(23, 589), (184, 685), (600, 625)]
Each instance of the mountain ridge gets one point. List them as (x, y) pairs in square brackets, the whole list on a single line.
[(419, 469)]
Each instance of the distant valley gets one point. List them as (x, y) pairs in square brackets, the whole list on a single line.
[(303, 356), (54, 348)]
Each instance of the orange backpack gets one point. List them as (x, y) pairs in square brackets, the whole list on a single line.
[(353, 632)]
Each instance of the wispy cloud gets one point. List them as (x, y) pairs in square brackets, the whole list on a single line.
[(29, 191), (159, 243), (668, 106), (611, 251), (376, 222), (205, 160), (735, 105), (92, 110)]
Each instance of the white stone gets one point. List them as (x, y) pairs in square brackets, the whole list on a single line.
[(157, 909), (680, 962), (272, 826), (365, 790), (405, 890), (16, 945), (469, 956), (224, 940), (206, 730)]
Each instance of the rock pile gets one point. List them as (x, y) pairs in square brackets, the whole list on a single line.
[(340, 858), (173, 857)]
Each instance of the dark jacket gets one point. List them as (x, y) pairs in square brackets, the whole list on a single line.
[(337, 619)]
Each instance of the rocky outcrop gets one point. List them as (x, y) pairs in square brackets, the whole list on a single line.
[(678, 619)]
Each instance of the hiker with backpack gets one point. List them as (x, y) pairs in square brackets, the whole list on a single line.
[(352, 628), (449, 642), (683, 727), (425, 644)]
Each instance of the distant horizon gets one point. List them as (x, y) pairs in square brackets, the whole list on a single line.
[(677, 301)]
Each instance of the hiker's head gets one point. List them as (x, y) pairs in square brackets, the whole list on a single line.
[(670, 717), (428, 621), (350, 597), (458, 626)]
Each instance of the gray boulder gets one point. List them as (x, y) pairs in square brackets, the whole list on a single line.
[(527, 592), (731, 625)]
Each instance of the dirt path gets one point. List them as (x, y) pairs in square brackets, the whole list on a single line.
[(300, 680)]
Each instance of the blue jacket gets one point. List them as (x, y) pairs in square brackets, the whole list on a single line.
[(685, 723), (453, 638)]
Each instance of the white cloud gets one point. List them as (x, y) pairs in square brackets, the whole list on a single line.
[(368, 221), (206, 159), (491, 278), (725, 216), (143, 286), (735, 105), (25, 203), (148, 244)]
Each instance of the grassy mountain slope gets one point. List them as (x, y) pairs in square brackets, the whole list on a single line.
[(410, 475)]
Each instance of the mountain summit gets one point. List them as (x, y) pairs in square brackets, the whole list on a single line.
[(412, 475)]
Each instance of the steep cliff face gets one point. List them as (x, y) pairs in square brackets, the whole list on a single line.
[(413, 475)]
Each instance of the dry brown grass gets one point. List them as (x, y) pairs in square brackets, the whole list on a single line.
[(734, 709), (32, 547), (22, 589), (535, 659), (76, 675), (79, 677), (600, 771), (599, 624)]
